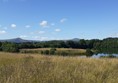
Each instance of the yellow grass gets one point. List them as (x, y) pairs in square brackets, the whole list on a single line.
[(70, 51), (57, 49), (29, 68)]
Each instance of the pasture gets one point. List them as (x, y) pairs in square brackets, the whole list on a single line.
[(35, 68), (59, 51)]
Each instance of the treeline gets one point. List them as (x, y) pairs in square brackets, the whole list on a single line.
[(108, 45)]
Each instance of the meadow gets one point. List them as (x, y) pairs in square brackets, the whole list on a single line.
[(35, 68), (59, 51)]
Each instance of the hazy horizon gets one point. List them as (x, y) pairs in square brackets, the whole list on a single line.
[(58, 19)]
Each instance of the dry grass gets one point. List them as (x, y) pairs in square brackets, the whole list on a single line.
[(25, 68), (81, 50), (69, 51)]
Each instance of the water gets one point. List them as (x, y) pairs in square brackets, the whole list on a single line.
[(102, 54)]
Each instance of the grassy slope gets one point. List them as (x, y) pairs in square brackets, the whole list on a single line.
[(27, 68)]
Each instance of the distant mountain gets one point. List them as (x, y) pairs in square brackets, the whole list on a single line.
[(17, 40), (76, 39)]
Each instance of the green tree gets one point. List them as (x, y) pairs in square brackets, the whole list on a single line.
[(82, 44), (0, 46), (10, 47), (71, 44)]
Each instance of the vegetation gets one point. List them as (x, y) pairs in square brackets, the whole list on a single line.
[(108, 45), (55, 51), (109, 56), (9, 47), (25, 68), (52, 51), (89, 53)]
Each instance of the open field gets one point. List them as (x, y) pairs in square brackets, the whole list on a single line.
[(82, 50), (59, 51), (34, 68)]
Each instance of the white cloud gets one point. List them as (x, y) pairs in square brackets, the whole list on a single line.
[(36, 37), (40, 38), (43, 38), (44, 23), (2, 32), (114, 35), (37, 32), (13, 25), (63, 20), (27, 26), (57, 30), (41, 32), (23, 36)]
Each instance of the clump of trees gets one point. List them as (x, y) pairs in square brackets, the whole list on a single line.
[(9, 47)]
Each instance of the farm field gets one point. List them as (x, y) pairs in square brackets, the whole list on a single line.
[(35, 68)]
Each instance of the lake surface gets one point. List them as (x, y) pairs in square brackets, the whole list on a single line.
[(102, 54)]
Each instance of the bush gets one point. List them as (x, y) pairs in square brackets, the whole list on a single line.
[(46, 52), (89, 53), (42, 52), (109, 56), (52, 51), (0, 48), (64, 53)]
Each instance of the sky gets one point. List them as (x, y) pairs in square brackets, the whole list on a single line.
[(58, 19)]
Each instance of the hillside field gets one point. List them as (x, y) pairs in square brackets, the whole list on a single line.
[(35, 68)]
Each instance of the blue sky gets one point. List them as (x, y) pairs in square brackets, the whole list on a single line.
[(58, 19)]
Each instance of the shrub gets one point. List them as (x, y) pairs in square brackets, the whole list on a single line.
[(109, 56), (46, 52), (64, 53), (52, 51), (89, 53), (0, 48), (41, 52)]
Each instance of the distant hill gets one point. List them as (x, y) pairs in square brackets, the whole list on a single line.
[(76, 39), (20, 40), (17, 40)]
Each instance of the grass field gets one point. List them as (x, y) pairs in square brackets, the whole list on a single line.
[(69, 51), (34, 68)]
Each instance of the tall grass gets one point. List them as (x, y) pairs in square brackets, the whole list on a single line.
[(25, 68)]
